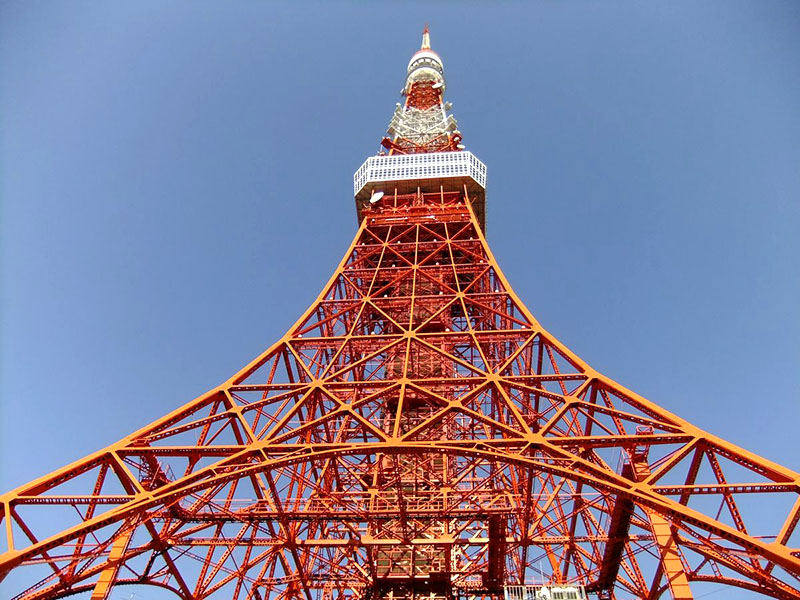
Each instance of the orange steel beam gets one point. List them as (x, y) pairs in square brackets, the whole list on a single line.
[(109, 574), (671, 565)]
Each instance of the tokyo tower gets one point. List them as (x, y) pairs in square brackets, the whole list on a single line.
[(415, 434)]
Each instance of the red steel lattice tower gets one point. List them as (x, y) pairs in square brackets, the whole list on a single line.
[(415, 433)]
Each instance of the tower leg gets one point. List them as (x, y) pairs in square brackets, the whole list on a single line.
[(109, 574), (671, 564)]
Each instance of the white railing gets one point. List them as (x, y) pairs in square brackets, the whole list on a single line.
[(544, 592), (435, 165)]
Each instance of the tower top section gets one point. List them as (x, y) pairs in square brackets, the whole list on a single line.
[(425, 65), (422, 151)]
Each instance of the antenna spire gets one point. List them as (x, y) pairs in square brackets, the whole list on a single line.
[(426, 39)]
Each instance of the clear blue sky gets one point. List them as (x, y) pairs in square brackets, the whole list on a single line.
[(176, 187)]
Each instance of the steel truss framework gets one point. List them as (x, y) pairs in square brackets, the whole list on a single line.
[(415, 433), (416, 424)]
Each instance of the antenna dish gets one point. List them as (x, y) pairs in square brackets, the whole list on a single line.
[(375, 197)]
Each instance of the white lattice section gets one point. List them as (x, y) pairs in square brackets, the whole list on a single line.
[(419, 166)]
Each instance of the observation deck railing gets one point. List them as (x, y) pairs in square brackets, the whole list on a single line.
[(409, 167)]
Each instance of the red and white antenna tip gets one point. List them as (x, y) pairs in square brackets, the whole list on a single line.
[(426, 39)]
